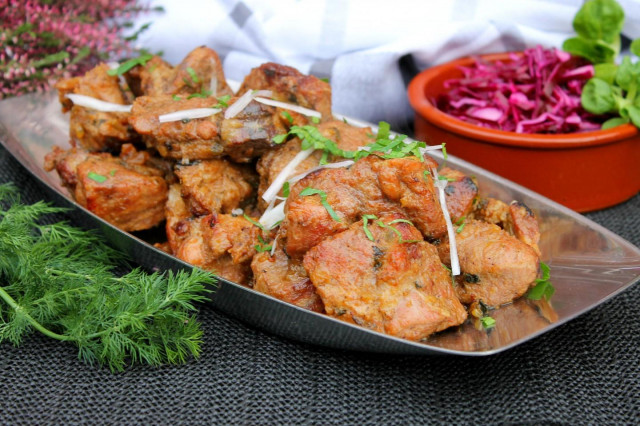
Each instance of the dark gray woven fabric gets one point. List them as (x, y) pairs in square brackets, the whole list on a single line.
[(586, 371)]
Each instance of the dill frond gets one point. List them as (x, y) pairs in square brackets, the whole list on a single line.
[(61, 281)]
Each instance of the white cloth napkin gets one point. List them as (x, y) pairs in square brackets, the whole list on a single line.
[(357, 44)]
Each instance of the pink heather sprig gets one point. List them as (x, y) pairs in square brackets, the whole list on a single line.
[(43, 41)]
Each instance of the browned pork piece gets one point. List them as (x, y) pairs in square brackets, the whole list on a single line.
[(372, 186), (346, 137), (290, 85), (516, 218), (199, 72), (130, 195), (386, 284), (96, 130), (222, 243), (214, 186), (496, 267), (243, 137), (284, 278), (461, 192)]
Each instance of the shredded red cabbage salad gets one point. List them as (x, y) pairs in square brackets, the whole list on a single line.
[(536, 92)]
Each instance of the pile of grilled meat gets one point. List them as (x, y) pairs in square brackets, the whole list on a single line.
[(379, 257)]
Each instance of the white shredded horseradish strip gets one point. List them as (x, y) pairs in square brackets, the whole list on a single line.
[(284, 105), (339, 164), (272, 216), (277, 183), (188, 114), (441, 185), (244, 100), (97, 104)]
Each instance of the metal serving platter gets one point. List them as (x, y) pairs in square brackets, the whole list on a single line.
[(589, 264)]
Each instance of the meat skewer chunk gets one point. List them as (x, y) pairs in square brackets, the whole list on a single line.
[(290, 85), (496, 267), (130, 196), (90, 129), (384, 283), (286, 279), (372, 186)]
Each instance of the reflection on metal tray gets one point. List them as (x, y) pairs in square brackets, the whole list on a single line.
[(589, 264)]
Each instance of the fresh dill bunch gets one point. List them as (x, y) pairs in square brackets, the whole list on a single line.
[(61, 281)]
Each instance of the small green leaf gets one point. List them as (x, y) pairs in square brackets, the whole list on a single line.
[(488, 322), (606, 72), (323, 200), (96, 177), (597, 97), (126, 66), (543, 287), (634, 115), (285, 189), (253, 222), (278, 139), (614, 122), (365, 223), (193, 75), (288, 116), (635, 47)]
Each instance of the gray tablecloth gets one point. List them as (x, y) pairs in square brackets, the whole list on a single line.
[(586, 371)]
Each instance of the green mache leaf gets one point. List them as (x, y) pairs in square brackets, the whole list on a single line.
[(614, 122), (595, 52), (599, 20), (625, 74), (635, 47), (606, 72), (634, 115), (597, 97)]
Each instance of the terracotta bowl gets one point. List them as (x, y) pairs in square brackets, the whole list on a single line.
[(583, 171)]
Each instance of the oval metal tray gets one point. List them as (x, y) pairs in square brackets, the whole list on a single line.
[(589, 264)]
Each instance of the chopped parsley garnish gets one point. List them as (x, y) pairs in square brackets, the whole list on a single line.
[(262, 247), (176, 98), (127, 65), (460, 223), (286, 189), (365, 223), (203, 94), (315, 120), (288, 116), (395, 230), (253, 222), (323, 200), (112, 172), (312, 138), (96, 177), (385, 145), (223, 101), (488, 322), (543, 287), (193, 75)]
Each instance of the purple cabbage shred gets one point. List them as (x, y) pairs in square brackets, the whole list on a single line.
[(536, 92)]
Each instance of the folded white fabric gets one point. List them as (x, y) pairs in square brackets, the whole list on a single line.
[(358, 44)]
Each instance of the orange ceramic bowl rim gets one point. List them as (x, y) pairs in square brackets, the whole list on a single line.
[(420, 103)]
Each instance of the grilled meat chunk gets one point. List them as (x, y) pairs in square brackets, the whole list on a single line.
[(496, 267), (290, 85), (199, 72), (460, 193), (214, 186), (346, 137), (243, 137), (516, 218), (221, 243), (90, 129), (131, 196), (372, 186), (284, 278), (383, 283)]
